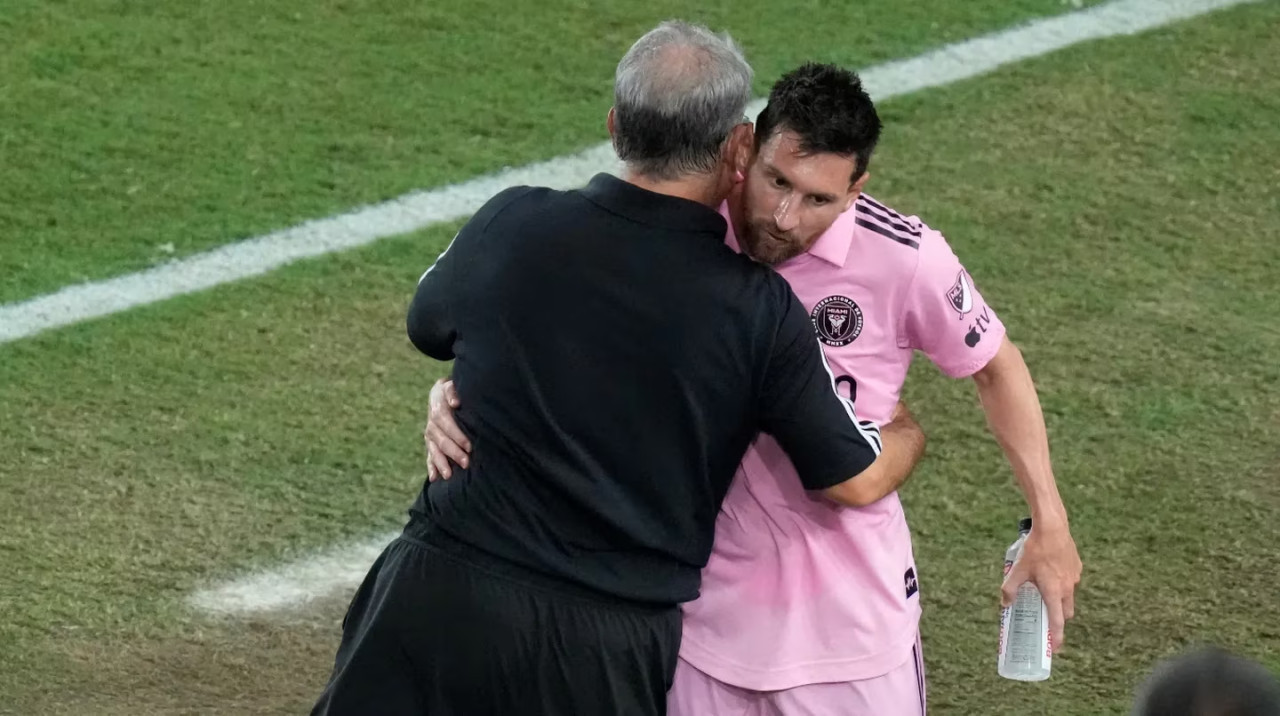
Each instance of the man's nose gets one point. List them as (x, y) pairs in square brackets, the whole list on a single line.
[(785, 215)]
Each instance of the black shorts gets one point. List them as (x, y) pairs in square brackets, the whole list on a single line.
[(439, 629)]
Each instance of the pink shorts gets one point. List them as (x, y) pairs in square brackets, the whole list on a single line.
[(897, 693)]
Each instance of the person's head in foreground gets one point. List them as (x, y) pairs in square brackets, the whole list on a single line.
[(1209, 682), (808, 163), (679, 97)]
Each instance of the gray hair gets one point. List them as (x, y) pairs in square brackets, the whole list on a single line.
[(677, 94)]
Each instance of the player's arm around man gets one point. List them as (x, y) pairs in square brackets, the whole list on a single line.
[(904, 442), (903, 445)]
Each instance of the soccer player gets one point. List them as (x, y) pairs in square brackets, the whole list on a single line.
[(808, 607), (619, 360)]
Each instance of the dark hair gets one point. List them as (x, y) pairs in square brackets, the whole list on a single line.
[(827, 106), (1209, 682)]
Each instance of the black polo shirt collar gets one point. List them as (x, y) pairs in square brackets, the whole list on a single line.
[(651, 208)]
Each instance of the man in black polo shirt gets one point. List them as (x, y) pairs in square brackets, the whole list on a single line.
[(617, 360)]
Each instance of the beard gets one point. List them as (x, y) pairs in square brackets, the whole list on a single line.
[(764, 247)]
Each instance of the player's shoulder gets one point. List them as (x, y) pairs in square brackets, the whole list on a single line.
[(907, 231), (905, 237), (886, 241)]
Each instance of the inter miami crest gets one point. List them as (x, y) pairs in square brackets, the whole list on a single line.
[(961, 295), (838, 320)]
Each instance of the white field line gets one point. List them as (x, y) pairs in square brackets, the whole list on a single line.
[(341, 568), (420, 209), (295, 583)]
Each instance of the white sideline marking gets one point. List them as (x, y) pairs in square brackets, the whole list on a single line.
[(339, 569), (420, 209), (296, 583)]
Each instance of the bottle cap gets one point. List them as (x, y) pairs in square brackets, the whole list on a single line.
[(1024, 525)]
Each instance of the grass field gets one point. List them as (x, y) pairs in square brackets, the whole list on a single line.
[(1116, 201), (133, 133)]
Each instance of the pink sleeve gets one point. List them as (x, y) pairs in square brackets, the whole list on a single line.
[(945, 316)]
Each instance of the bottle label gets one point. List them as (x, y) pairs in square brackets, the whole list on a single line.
[(1003, 645), (1026, 648)]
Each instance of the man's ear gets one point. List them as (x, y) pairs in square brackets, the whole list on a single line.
[(856, 189), (743, 146), (611, 121)]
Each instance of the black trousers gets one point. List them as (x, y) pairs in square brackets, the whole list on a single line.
[(439, 629)]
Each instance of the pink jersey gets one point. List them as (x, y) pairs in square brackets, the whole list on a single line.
[(799, 590)]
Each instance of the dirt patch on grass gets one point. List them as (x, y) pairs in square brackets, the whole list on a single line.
[(269, 665)]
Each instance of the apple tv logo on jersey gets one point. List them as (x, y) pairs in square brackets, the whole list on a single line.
[(978, 328)]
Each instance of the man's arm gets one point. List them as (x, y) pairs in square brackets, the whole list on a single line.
[(1049, 559), (1009, 399), (946, 317), (904, 443), (430, 322), (903, 438), (847, 460), (433, 316)]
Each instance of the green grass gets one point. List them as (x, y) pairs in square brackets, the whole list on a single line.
[(132, 133), (1116, 203)]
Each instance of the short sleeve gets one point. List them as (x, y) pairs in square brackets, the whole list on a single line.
[(945, 315), (433, 316), (431, 324)]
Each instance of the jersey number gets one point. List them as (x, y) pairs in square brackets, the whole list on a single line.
[(853, 387)]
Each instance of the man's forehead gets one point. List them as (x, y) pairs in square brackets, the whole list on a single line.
[(817, 172), (781, 140)]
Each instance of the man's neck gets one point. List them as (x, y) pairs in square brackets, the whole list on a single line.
[(701, 189)]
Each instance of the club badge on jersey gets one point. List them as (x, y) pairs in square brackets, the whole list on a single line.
[(838, 320)]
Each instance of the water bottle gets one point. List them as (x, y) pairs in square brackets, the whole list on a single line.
[(1026, 651)]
